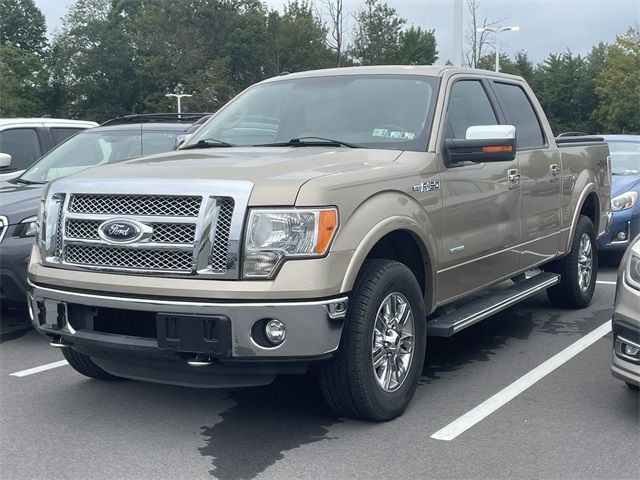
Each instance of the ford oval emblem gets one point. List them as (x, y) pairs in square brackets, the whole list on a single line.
[(120, 231)]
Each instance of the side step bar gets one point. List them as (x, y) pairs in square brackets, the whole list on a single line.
[(447, 324)]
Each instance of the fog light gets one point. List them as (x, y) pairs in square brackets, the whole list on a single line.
[(275, 331), (630, 350), (621, 236)]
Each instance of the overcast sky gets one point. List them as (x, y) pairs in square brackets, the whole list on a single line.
[(545, 25)]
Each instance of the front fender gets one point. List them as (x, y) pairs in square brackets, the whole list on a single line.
[(378, 216)]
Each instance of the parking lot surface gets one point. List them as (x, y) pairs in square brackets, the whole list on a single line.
[(575, 421)]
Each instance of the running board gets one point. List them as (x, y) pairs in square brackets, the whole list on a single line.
[(449, 323)]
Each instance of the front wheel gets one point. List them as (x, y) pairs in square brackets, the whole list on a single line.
[(375, 371), (578, 269)]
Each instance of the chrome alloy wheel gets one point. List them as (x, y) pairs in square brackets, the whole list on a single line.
[(585, 262), (392, 343)]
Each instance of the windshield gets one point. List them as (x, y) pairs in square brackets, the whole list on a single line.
[(97, 147), (376, 111), (625, 158)]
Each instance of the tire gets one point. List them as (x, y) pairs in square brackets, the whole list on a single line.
[(349, 383), (573, 292), (84, 365)]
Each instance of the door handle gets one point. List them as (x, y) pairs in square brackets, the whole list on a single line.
[(554, 170), (513, 178)]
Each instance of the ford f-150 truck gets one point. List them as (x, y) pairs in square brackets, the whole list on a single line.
[(326, 221)]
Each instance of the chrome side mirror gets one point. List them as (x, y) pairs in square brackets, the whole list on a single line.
[(482, 143)]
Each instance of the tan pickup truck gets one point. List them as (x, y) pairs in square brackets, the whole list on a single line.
[(326, 221)]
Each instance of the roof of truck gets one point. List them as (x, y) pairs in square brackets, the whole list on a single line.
[(427, 70)]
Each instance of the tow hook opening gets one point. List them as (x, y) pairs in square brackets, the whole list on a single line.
[(58, 342), (200, 360)]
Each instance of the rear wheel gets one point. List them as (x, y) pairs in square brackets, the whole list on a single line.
[(578, 269), (84, 365), (375, 371)]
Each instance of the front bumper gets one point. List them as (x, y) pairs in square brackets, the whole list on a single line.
[(627, 221), (14, 257), (221, 331), (627, 331)]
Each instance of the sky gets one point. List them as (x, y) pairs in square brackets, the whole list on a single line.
[(546, 26)]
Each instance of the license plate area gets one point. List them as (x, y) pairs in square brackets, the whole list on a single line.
[(194, 333)]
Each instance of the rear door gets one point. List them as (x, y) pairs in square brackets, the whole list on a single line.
[(539, 167), (481, 208)]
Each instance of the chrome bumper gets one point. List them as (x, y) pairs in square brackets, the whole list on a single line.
[(313, 327)]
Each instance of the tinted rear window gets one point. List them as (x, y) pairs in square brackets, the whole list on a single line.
[(520, 113)]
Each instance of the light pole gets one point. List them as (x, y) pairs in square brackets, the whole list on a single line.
[(179, 97), (513, 28)]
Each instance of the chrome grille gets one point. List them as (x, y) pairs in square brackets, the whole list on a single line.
[(4, 224), (129, 258), (58, 250), (220, 250), (175, 206), (183, 233)]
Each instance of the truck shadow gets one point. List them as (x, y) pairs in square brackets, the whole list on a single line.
[(475, 344), (264, 423), (14, 323)]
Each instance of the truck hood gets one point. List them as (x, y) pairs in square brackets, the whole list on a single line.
[(19, 201), (277, 173), (624, 183)]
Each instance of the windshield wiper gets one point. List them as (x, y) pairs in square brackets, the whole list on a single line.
[(310, 142), (207, 143), (27, 182)]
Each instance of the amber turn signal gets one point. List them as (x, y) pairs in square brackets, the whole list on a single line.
[(327, 223), (497, 149)]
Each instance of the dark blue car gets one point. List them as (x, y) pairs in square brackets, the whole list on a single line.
[(625, 190)]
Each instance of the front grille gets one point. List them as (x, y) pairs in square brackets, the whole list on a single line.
[(130, 258), (220, 250), (174, 206), (172, 247), (183, 233)]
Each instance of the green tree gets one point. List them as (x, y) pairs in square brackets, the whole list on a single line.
[(22, 25), (296, 40), (378, 34), (563, 87), (93, 71), (23, 81), (617, 85), (417, 47)]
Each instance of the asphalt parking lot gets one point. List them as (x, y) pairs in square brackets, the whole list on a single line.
[(576, 421)]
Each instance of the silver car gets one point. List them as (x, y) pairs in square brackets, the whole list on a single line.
[(626, 319)]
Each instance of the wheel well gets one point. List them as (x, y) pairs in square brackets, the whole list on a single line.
[(591, 209), (403, 247)]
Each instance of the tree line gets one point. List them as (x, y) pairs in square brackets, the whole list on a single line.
[(118, 57)]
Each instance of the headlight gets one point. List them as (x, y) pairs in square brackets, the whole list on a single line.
[(274, 235), (633, 272), (624, 201), (29, 227)]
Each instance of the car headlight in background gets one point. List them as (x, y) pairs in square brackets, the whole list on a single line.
[(28, 227), (624, 201), (633, 272), (275, 235)]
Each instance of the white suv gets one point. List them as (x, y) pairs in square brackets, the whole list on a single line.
[(25, 140)]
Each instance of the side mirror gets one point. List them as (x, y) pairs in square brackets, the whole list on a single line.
[(483, 143), (181, 139), (5, 160)]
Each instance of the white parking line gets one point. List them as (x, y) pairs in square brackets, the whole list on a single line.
[(507, 394), (41, 368), (606, 282)]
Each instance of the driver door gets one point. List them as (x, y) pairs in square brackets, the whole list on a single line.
[(481, 207)]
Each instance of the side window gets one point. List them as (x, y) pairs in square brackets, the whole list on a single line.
[(61, 134), (521, 114), (468, 106), (22, 144)]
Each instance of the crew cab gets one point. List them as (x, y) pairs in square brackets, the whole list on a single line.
[(321, 221)]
